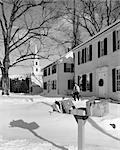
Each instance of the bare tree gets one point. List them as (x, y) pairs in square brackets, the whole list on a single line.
[(21, 21), (68, 26), (91, 15), (95, 14)]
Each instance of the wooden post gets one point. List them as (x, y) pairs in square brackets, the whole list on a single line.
[(81, 134)]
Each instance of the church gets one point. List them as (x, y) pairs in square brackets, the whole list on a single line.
[(36, 83)]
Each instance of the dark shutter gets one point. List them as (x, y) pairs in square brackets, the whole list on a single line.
[(72, 67), (90, 52), (78, 58), (114, 41), (114, 80), (82, 55), (91, 82), (78, 80), (105, 46), (68, 84), (84, 82), (85, 55), (64, 67), (98, 49)]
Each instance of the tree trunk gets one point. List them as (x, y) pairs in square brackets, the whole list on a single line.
[(5, 82)]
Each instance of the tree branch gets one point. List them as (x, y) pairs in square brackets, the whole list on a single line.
[(3, 14)]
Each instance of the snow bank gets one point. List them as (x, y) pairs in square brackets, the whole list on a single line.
[(56, 127)]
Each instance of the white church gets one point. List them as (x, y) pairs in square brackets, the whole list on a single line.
[(36, 84)]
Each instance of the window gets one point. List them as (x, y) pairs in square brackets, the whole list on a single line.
[(36, 69), (53, 83), (102, 48), (68, 67), (70, 84), (116, 79), (80, 82), (85, 55), (36, 63), (49, 71), (54, 69), (116, 40), (45, 72), (85, 82), (45, 85)]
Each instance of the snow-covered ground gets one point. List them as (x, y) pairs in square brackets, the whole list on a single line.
[(55, 131)]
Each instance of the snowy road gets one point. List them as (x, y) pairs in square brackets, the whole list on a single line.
[(56, 131)]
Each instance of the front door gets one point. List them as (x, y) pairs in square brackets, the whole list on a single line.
[(102, 82)]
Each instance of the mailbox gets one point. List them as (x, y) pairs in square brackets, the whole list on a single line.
[(97, 108)]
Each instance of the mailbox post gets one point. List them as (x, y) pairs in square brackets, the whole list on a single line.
[(80, 116), (93, 108)]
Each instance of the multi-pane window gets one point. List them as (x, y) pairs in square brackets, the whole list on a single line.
[(45, 85), (53, 83), (80, 82), (45, 72), (85, 55), (102, 48), (70, 84), (85, 82), (54, 69), (68, 67), (116, 40), (118, 79)]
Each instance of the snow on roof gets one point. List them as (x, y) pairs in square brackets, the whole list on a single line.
[(66, 55), (36, 81)]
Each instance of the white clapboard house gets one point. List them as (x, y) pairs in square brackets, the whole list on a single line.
[(58, 76), (97, 64)]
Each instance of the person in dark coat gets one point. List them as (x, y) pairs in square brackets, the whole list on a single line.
[(76, 91)]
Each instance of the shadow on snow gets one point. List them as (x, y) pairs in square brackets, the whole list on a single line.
[(31, 127)]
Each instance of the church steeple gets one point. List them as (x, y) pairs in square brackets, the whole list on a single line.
[(36, 63)]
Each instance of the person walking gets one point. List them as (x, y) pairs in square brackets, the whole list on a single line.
[(76, 91)]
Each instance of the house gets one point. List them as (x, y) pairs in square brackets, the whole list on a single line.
[(58, 76), (97, 64)]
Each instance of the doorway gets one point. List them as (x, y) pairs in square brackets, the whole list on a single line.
[(102, 84)]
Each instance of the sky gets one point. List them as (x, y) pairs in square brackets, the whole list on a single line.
[(26, 67)]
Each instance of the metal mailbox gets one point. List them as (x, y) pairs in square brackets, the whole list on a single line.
[(97, 108)]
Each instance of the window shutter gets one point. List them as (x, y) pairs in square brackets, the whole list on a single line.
[(84, 82), (91, 82), (78, 80), (90, 50), (64, 67), (78, 58), (68, 84), (99, 49), (105, 46), (114, 80), (82, 55), (114, 41), (72, 67), (85, 55)]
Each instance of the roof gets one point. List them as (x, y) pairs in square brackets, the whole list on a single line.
[(67, 55), (89, 39), (99, 33)]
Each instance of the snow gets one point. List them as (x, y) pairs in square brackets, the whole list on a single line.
[(56, 130)]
